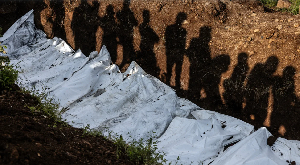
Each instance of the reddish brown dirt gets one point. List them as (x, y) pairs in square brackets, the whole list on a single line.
[(235, 57), (28, 138)]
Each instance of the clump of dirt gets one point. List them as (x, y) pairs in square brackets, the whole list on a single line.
[(235, 57)]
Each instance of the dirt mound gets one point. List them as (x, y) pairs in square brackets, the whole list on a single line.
[(235, 57)]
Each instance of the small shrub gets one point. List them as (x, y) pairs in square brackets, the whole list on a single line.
[(45, 105), (8, 75), (2, 46), (269, 3), (294, 9), (139, 152)]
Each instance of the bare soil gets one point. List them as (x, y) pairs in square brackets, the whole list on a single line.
[(234, 57), (34, 138)]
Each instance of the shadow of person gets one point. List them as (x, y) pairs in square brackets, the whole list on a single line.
[(127, 22), (211, 80), (110, 31), (284, 99), (87, 15), (234, 86), (260, 81), (175, 47), (200, 58), (146, 57), (58, 28), (38, 8)]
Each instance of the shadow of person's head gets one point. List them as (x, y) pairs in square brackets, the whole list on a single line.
[(242, 58), (126, 4), (110, 10), (271, 64), (96, 4), (181, 17), (205, 34), (289, 72), (146, 16)]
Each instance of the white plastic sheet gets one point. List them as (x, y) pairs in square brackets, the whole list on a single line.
[(252, 150), (200, 140), (22, 37), (288, 150), (93, 75), (135, 104)]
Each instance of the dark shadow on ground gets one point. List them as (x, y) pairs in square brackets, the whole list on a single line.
[(127, 22), (175, 48), (85, 15), (205, 72), (146, 57), (59, 15), (258, 87), (200, 59), (110, 31), (234, 86), (211, 81), (285, 100)]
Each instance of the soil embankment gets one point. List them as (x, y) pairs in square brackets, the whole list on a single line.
[(234, 57)]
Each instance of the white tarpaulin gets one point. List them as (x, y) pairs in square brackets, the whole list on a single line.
[(252, 150), (92, 91)]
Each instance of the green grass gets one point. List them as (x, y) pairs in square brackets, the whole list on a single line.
[(8, 75), (294, 8), (1, 46), (269, 3), (139, 152)]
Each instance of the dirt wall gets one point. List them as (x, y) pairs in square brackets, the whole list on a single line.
[(234, 57)]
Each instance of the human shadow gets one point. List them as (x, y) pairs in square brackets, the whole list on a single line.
[(211, 81), (58, 28), (110, 31), (200, 58), (146, 57), (127, 22), (175, 36), (257, 93), (285, 100), (234, 86), (85, 38)]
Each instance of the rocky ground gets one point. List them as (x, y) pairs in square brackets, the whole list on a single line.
[(236, 57)]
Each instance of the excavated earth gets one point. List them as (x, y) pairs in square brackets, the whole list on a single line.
[(235, 57)]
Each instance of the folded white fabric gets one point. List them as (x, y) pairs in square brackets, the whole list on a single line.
[(198, 141), (252, 150), (288, 150), (22, 37), (86, 79), (229, 123)]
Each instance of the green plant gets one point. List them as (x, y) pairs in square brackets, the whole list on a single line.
[(86, 130), (2, 46), (46, 106), (269, 3), (139, 152), (294, 9), (8, 75)]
